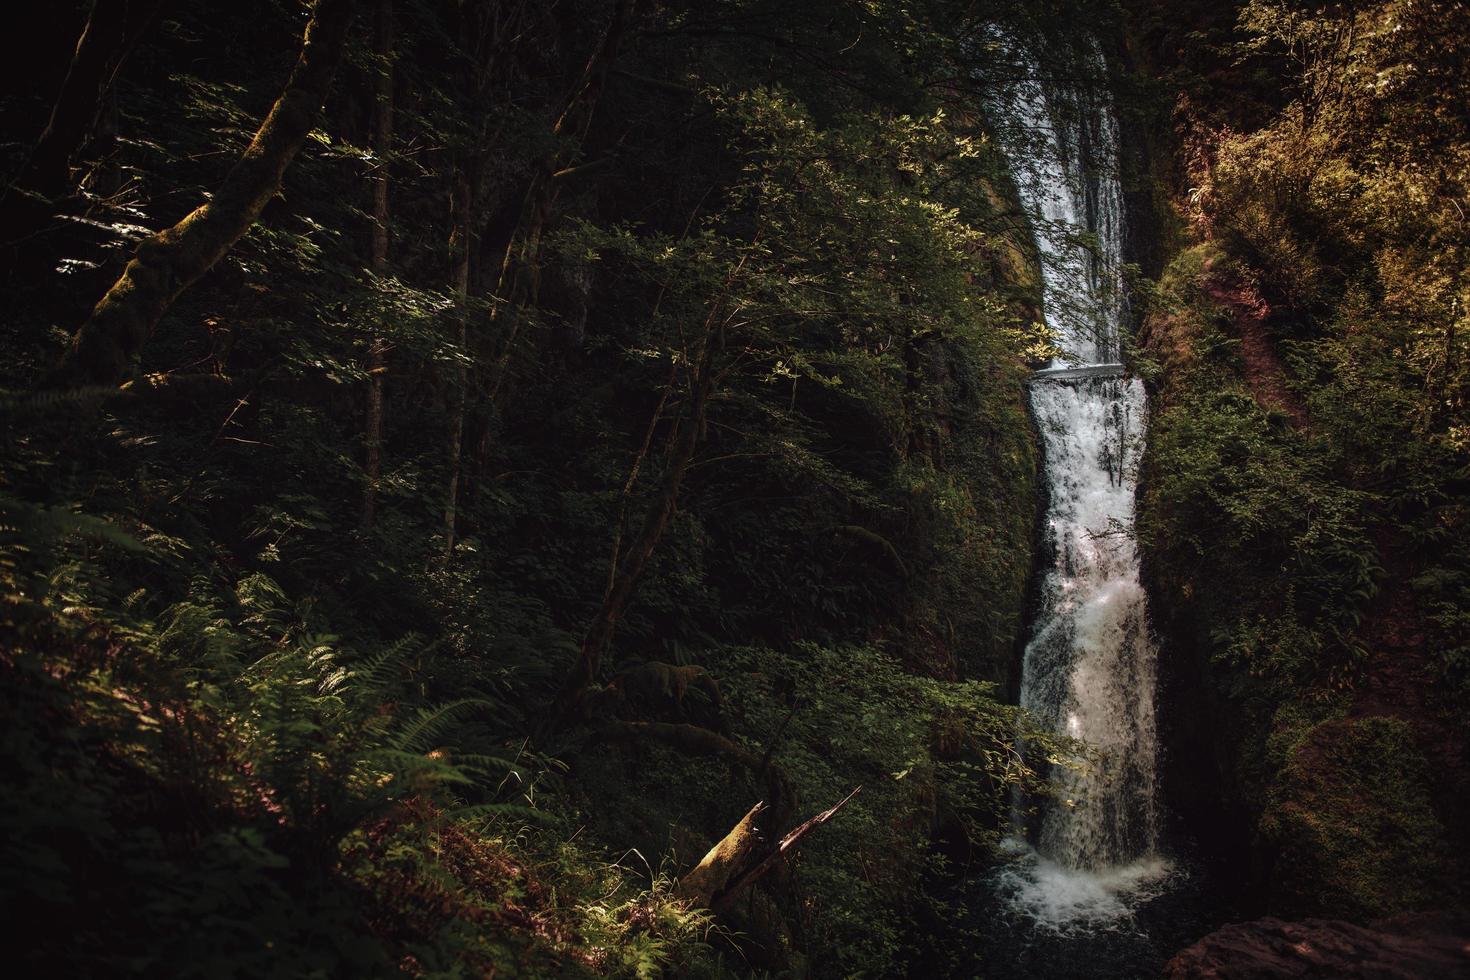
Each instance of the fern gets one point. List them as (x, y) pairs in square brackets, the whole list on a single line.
[(49, 525), (427, 727)]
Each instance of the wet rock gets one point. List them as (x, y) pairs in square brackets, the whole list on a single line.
[(1402, 948)]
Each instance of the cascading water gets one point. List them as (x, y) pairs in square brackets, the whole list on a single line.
[(1089, 669)]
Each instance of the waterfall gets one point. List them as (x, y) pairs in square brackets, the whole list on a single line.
[(1089, 668)]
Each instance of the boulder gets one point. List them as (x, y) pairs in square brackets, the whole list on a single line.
[(1402, 948)]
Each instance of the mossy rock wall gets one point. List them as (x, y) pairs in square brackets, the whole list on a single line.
[(1316, 796), (1350, 825)]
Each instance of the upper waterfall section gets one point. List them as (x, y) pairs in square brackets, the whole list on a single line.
[(1062, 139)]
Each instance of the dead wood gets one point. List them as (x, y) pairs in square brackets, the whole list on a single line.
[(740, 859)]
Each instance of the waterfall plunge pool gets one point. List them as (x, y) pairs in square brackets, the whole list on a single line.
[(1064, 900)]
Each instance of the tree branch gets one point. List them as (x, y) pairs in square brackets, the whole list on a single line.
[(106, 348)]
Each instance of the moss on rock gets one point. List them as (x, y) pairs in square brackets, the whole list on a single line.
[(1351, 825)]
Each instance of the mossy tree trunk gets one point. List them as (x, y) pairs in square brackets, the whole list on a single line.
[(106, 348)]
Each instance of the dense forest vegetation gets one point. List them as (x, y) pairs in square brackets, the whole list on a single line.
[(1310, 444), (515, 488)]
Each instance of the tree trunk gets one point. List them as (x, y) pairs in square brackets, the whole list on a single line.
[(735, 880), (378, 351), (106, 348), (112, 31), (459, 248), (519, 279), (688, 431), (629, 569), (741, 848)]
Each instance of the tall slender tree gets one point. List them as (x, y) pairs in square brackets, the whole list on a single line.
[(519, 278), (382, 154), (493, 37), (703, 376), (461, 238)]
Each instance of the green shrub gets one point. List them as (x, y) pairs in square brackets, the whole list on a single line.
[(1351, 827)]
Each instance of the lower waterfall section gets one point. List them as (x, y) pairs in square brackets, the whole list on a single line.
[(1090, 666), (1090, 670)]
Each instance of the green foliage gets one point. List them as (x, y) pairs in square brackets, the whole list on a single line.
[(931, 757), (229, 788), (1351, 824), (928, 755), (231, 695), (1346, 212), (1303, 506), (1251, 517), (868, 380)]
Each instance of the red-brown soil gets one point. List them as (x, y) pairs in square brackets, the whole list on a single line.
[(1248, 313)]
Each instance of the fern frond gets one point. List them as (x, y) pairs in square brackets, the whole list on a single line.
[(376, 673), (416, 769), (428, 726), (34, 520)]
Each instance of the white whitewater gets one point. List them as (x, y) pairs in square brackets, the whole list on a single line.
[(1089, 669)]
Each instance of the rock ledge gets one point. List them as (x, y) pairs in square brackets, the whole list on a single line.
[(1402, 948)]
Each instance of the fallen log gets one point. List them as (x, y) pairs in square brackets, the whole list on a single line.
[(736, 862), (788, 842), (711, 877)]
